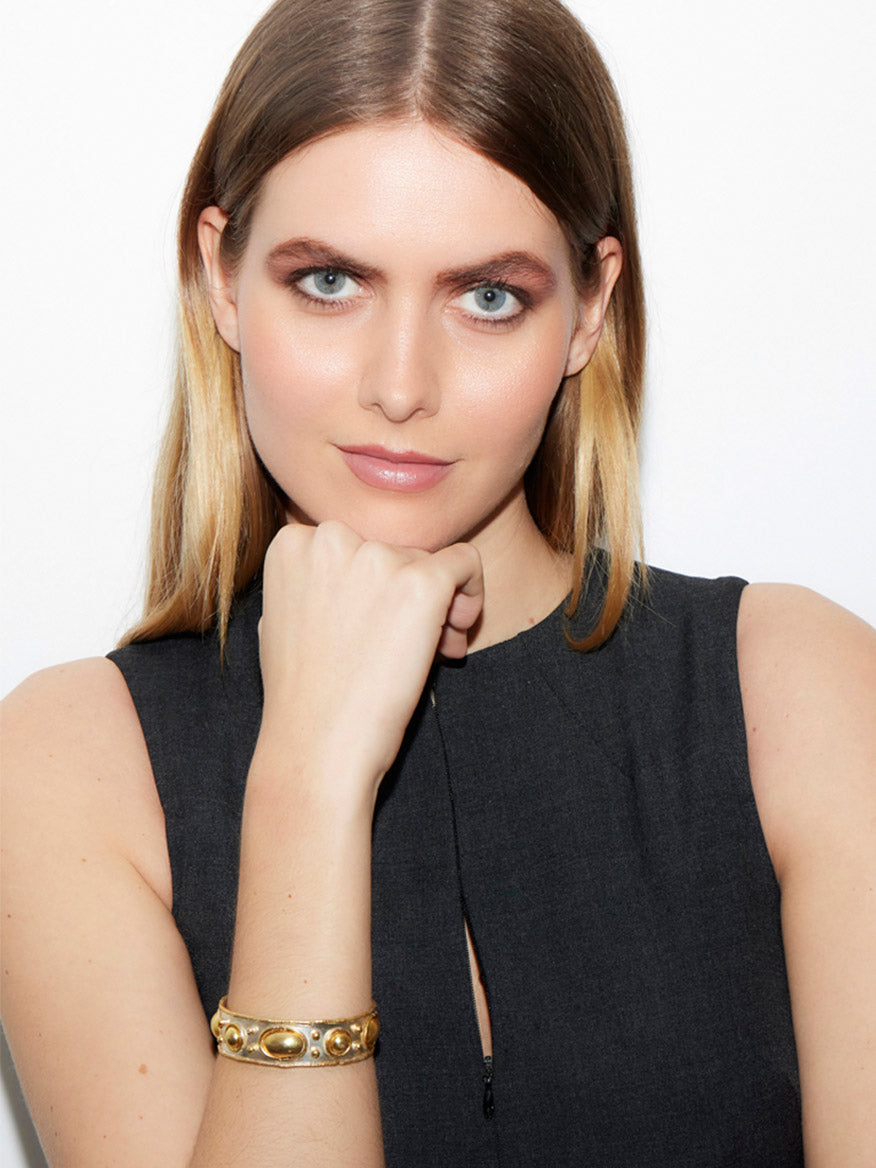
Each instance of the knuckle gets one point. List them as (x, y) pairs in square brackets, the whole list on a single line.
[(329, 531), (333, 540), (289, 536), (277, 548), (286, 548), (376, 558), (420, 583)]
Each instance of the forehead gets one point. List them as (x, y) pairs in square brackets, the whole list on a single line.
[(403, 185)]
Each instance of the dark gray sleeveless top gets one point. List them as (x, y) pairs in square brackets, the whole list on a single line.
[(592, 815)]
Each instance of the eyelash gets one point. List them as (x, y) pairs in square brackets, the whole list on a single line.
[(523, 298), (294, 280)]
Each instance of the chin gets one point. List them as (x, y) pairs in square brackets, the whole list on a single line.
[(397, 530), (427, 539)]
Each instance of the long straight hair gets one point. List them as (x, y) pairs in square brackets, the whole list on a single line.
[(521, 83)]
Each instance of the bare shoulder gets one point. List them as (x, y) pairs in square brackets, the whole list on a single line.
[(807, 669), (77, 685), (74, 758), (808, 676), (67, 699), (786, 618)]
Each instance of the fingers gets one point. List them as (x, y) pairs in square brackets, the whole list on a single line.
[(335, 604), (453, 643), (350, 630), (465, 609), (453, 576), (463, 563)]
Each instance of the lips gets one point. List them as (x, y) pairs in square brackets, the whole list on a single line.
[(394, 470)]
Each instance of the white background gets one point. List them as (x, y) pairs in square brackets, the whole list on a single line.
[(753, 129)]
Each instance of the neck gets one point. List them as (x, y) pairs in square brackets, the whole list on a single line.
[(525, 579)]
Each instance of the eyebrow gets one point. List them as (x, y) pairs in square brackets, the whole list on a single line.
[(507, 264)]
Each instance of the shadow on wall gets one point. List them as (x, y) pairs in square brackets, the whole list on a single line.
[(29, 1150)]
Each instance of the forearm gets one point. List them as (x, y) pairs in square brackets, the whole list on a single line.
[(302, 951), (348, 635)]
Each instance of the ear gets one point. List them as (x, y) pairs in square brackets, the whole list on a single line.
[(220, 286), (592, 308)]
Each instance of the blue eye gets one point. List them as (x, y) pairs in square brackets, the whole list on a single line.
[(491, 300), (328, 284)]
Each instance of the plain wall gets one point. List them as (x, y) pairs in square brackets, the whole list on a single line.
[(752, 128)]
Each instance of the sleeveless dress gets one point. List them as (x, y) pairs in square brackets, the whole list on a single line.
[(592, 817)]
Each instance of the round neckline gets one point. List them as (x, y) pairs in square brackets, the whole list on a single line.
[(510, 645)]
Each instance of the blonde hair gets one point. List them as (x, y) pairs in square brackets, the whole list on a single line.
[(520, 82)]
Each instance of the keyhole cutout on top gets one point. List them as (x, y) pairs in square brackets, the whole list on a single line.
[(480, 997)]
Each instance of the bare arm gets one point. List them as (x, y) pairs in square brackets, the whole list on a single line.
[(808, 672), (94, 959), (99, 1002)]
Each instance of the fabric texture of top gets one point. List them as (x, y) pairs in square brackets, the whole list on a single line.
[(592, 817)]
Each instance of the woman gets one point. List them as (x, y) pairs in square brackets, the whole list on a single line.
[(409, 386)]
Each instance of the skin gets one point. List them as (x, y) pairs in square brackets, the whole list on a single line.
[(360, 592), (405, 360)]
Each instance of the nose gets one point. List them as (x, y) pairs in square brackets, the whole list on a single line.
[(400, 372)]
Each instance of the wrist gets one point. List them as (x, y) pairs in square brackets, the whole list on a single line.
[(316, 784)]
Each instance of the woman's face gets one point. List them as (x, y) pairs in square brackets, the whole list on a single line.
[(405, 313)]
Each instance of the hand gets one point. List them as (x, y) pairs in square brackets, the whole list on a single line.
[(348, 635)]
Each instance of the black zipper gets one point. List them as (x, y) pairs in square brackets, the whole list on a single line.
[(489, 1106), (487, 1077)]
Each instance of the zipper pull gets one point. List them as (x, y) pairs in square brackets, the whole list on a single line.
[(489, 1106)]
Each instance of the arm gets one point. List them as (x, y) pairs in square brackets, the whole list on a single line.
[(99, 1002), (91, 948), (808, 675)]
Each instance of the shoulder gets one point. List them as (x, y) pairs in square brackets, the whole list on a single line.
[(668, 607), (799, 652), (693, 611), (83, 704), (679, 635), (163, 674), (794, 620), (807, 670), (74, 761)]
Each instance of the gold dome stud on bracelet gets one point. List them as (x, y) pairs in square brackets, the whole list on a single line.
[(283, 1043), (271, 1042), (232, 1038), (338, 1041)]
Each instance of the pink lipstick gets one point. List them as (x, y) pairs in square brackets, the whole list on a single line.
[(394, 470)]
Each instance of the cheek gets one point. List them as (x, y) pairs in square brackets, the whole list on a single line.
[(509, 398), (289, 375)]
